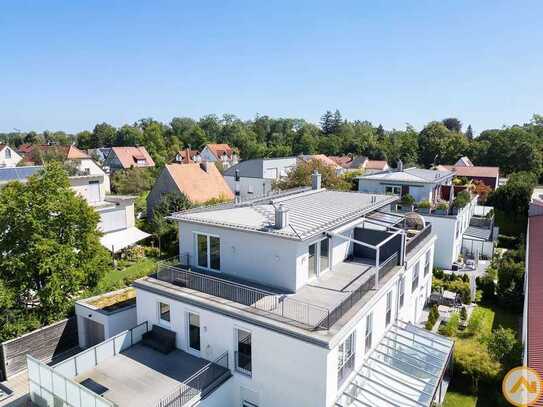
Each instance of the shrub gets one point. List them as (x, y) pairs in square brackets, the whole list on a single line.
[(438, 272), (407, 200), (442, 206), (151, 251), (488, 288), (462, 199), (472, 359), (424, 204), (433, 316), (465, 278), (463, 314), (451, 327), (501, 344)]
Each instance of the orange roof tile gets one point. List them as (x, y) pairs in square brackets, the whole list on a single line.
[(69, 152), (475, 171), (128, 156), (376, 165), (198, 185), (220, 149), (187, 155)]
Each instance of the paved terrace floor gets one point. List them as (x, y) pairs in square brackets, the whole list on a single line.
[(141, 376)]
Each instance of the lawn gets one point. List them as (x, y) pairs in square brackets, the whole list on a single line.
[(488, 395), (454, 399), (120, 277)]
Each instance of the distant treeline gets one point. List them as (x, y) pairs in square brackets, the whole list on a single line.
[(513, 149)]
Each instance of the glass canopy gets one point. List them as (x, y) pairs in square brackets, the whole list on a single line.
[(405, 369)]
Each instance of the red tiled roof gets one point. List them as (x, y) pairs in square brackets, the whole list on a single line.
[(187, 155), (343, 161), (69, 152), (219, 150), (198, 185), (475, 171), (535, 295), (128, 156), (376, 165)]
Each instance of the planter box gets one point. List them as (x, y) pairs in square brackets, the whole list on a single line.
[(404, 208), (441, 211), (425, 210)]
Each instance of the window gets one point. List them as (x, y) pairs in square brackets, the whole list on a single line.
[(324, 255), (312, 266), (393, 190), (8, 153), (402, 290), (243, 354), (194, 331), (164, 312), (389, 308), (369, 331), (346, 351), (415, 282), (427, 263), (208, 252)]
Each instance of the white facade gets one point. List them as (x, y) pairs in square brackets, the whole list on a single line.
[(286, 370), (419, 191), (9, 157)]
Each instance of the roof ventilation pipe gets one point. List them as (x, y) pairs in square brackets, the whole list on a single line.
[(400, 165), (316, 180), (281, 217), (237, 187)]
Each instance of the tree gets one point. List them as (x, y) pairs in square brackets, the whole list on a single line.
[(453, 124), (515, 196), (164, 229), (50, 247), (433, 139), (472, 359), (469, 132), (501, 344), (301, 176), (133, 180), (103, 135)]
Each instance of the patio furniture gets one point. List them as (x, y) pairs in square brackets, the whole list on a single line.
[(160, 339)]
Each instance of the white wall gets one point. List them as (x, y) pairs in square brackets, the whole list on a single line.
[(11, 161), (265, 259), (95, 169), (80, 184), (418, 191), (116, 217), (285, 371), (250, 187)]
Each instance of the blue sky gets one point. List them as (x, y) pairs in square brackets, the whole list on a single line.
[(66, 65)]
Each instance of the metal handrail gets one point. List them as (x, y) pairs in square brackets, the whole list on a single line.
[(419, 237), (197, 384), (267, 301)]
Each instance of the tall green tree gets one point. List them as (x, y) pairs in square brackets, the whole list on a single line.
[(49, 245)]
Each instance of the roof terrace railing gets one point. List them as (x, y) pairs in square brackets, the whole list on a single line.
[(419, 237), (271, 303)]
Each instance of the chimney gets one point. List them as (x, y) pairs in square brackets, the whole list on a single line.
[(281, 217), (400, 165), (237, 188), (204, 165), (316, 180)]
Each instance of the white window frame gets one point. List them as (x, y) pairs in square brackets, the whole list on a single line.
[(187, 324), (208, 260), (401, 289), (369, 332), (161, 321), (388, 313), (391, 190), (319, 271), (415, 275), (428, 255)]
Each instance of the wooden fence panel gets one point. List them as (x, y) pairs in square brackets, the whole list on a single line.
[(45, 344)]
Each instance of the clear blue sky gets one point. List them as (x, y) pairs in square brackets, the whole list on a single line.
[(66, 65)]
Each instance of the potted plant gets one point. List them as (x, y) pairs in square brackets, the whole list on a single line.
[(462, 199), (406, 203), (442, 208), (424, 206)]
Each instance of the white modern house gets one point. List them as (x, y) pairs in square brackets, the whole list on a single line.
[(8, 156), (300, 299), (256, 176), (222, 153), (469, 231)]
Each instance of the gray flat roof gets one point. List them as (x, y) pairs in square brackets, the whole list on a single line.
[(419, 175), (310, 213)]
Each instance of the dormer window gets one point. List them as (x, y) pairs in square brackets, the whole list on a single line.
[(8, 153)]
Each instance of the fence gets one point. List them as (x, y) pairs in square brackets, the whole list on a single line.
[(91, 357), (45, 344), (199, 384), (49, 387), (280, 305)]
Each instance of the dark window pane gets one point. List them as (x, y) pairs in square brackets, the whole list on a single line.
[(202, 250), (243, 359), (164, 312), (194, 331), (215, 252), (325, 245)]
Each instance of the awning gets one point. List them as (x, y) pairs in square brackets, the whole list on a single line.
[(116, 241), (405, 369)]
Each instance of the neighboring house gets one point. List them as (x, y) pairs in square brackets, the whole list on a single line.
[(188, 156), (469, 231), (99, 154), (200, 183), (222, 153), (116, 212), (8, 156), (532, 329), (422, 184), (489, 176), (257, 175), (123, 158), (351, 163), (322, 159), (314, 293)]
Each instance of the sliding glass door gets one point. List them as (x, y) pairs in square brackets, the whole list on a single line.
[(319, 258)]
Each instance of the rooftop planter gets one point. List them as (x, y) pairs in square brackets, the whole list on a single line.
[(407, 203), (424, 206), (461, 200), (442, 208)]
